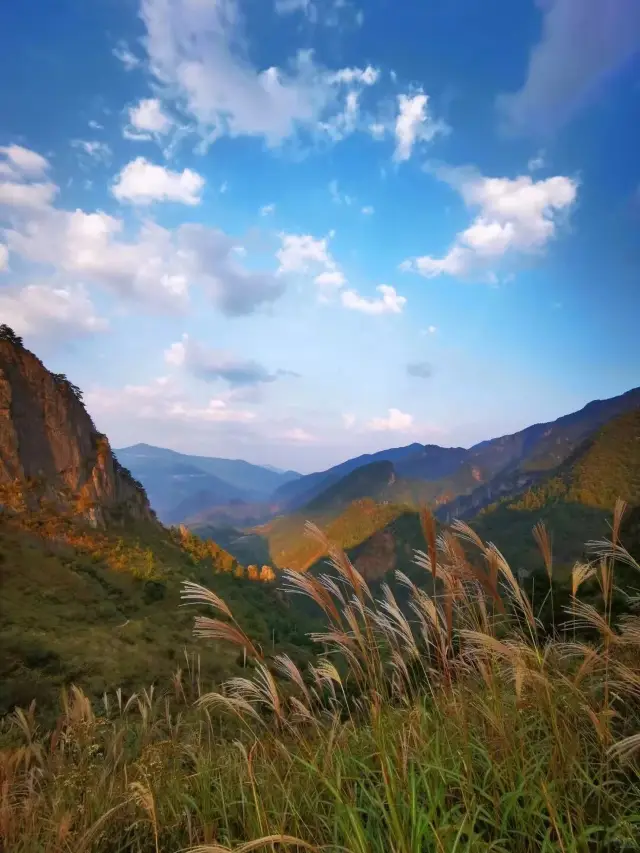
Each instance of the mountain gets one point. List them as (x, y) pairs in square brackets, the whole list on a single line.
[(463, 480), (180, 485), (370, 499), (90, 579), (50, 450), (297, 493), (575, 500)]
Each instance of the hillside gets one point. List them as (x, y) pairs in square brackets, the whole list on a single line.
[(470, 479), (575, 501), (90, 579), (290, 547)]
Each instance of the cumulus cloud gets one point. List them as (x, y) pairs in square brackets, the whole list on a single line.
[(142, 182), (267, 210), (420, 369), (581, 44), (303, 253), (515, 216), (388, 303), (147, 119), (156, 265), (18, 168), (21, 162), (414, 123), (396, 421), (197, 52), (51, 312), (213, 364)]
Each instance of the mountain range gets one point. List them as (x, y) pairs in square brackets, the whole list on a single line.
[(87, 563), (181, 486)]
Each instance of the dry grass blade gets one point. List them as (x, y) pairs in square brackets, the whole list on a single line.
[(215, 629), (605, 549), (289, 840), (463, 531), (580, 573), (306, 584), (543, 541), (194, 593), (626, 748), (586, 616), (618, 514), (288, 668), (234, 704)]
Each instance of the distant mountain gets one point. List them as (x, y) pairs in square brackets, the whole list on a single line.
[(465, 480), (296, 494), (575, 500), (180, 485)]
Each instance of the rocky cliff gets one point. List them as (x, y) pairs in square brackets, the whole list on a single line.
[(50, 450)]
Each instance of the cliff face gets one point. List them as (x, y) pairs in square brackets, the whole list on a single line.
[(50, 449)]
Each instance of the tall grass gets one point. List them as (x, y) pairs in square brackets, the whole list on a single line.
[(454, 724)]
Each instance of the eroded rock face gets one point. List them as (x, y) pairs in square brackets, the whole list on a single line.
[(51, 450)]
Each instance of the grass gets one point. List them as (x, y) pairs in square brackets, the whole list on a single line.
[(466, 727)]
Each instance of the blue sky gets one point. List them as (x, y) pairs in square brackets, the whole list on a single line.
[(294, 231)]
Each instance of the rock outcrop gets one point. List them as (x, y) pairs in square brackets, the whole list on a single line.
[(50, 450)]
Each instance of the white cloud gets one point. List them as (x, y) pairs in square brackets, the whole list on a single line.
[(368, 210), (582, 43), (162, 401), (142, 182), (213, 364), (44, 310), (29, 196), (147, 118), (430, 330), (388, 303), (414, 124), (4, 257), (288, 7), (378, 130), (537, 162), (94, 149), (396, 421), (19, 161), (197, 52), (157, 267), (516, 216), (329, 280), (216, 411), (95, 125), (267, 210), (300, 435), (124, 55), (18, 167), (303, 253)]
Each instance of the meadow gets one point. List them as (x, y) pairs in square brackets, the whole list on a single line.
[(463, 723)]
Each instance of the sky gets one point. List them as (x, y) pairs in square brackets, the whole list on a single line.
[(294, 231)]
